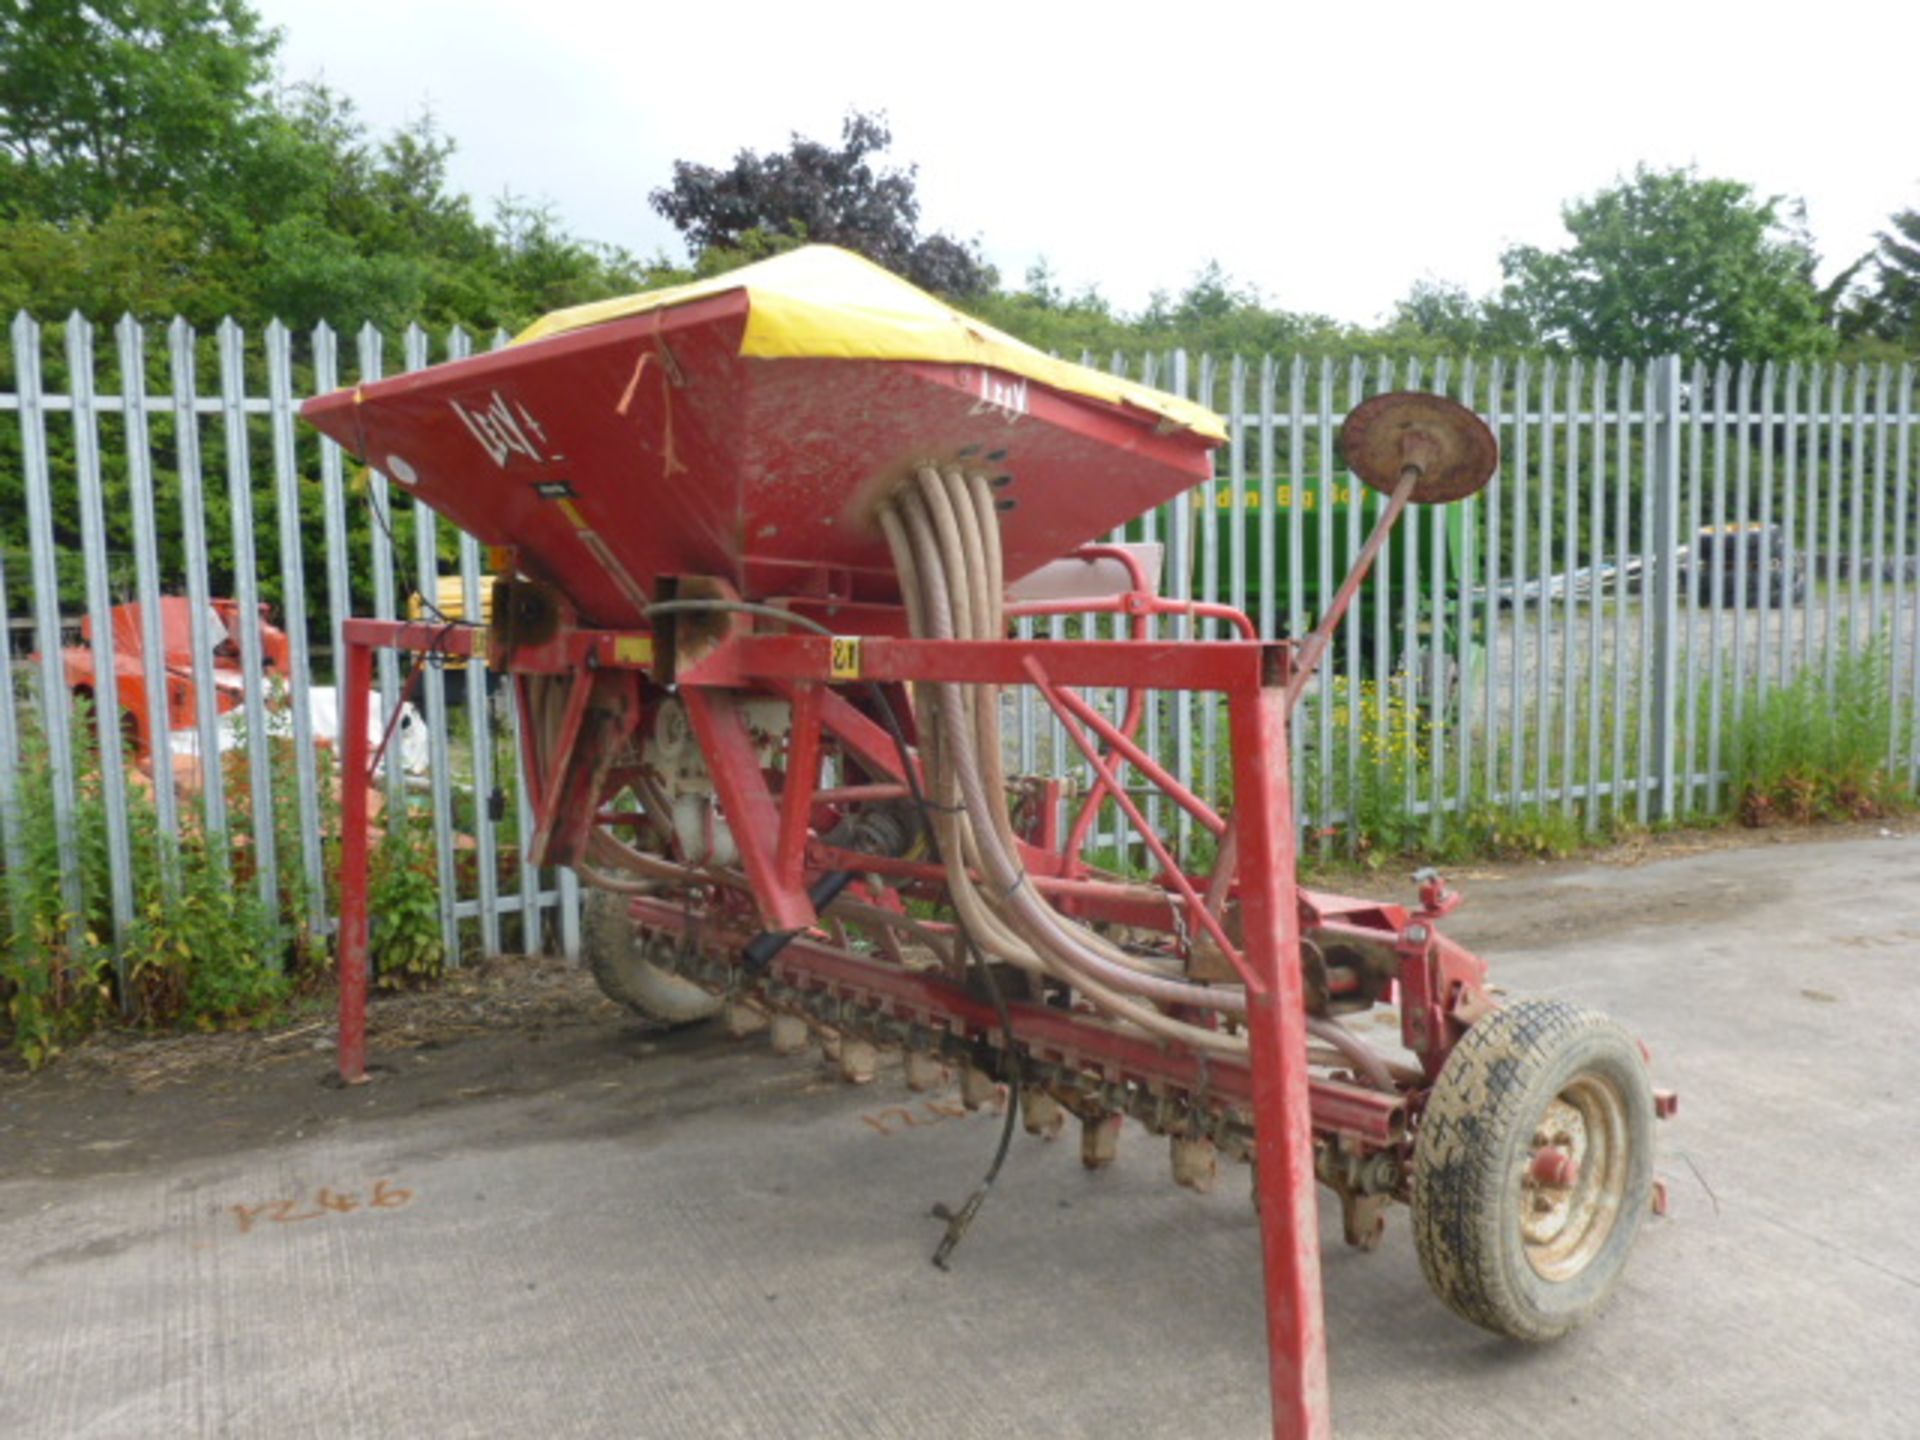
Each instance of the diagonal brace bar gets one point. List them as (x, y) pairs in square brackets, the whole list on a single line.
[(1172, 869)]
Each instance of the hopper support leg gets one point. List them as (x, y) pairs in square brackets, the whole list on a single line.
[(1276, 1021), (720, 726), (354, 749)]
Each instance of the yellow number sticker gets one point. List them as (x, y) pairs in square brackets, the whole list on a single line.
[(845, 662)]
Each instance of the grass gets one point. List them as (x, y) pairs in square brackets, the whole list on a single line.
[(1815, 750)]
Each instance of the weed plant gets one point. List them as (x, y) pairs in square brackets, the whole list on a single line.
[(1812, 751), (404, 943), (1375, 815), (204, 950)]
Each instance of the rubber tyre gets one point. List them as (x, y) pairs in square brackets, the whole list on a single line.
[(1474, 1148), (617, 957)]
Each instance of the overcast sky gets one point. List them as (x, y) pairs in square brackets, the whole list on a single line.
[(1330, 155)]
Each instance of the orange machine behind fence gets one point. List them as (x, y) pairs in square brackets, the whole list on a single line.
[(130, 666)]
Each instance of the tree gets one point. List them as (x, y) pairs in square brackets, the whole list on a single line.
[(1045, 315), (1669, 263), (1444, 316), (147, 166), (543, 264), (816, 192), (105, 102), (1217, 314), (145, 261), (1890, 310)]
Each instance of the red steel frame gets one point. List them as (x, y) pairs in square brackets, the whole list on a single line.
[(1286, 1101)]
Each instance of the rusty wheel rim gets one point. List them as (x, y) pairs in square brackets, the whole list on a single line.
[(1575, 1180)]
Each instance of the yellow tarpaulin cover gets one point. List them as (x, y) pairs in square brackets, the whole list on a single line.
[(824, 303)]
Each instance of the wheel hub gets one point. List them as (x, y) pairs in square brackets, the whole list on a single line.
[(1575, 1178)]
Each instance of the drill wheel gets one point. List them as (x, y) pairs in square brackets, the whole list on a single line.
[(1533, 1168)]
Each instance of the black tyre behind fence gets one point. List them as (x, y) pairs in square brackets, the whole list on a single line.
[(1746, 565)]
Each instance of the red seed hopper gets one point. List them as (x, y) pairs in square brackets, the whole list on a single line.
[(744, 428), (756, 541)]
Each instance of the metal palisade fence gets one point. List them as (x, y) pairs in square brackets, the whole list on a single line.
[(137, 479), (1663, 548)]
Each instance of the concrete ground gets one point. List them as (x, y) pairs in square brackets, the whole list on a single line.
[(682, 1237)]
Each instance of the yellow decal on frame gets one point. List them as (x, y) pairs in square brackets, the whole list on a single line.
[(844, 663)]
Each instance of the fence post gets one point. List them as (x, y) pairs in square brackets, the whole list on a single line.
[(56, 716), (147, 582), (246, 593), (12, 851), (480, 718), (1181, 554), (293, 606), (193, 527), (385, 549), (433, 695), (99, 603), (1663, 594)]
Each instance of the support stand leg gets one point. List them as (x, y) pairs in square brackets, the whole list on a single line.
[(353, 863), (1276, 1022)]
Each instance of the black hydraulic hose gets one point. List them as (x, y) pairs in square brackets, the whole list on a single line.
[(958, 1221)]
